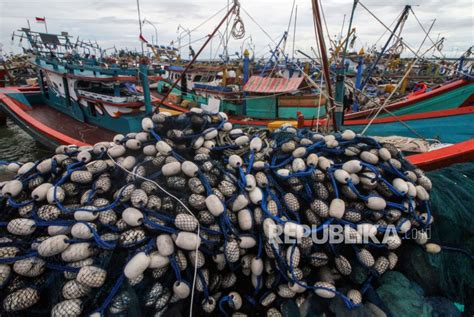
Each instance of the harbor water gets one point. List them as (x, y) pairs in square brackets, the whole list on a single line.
[(17, 145)]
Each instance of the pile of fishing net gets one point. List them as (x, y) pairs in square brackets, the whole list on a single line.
[(193, 213)]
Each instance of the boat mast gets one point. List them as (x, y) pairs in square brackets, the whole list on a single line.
[(294, 34), (324, 61), (341, 73), (140, 23), (403, 16), (188, 66)]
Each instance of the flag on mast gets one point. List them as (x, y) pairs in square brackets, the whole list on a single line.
[(142, 39), (42, 21)]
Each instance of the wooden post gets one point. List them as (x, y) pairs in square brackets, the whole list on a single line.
[(324, 60)]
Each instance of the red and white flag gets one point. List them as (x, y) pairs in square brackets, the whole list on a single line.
[(41, 20), (141, 38)]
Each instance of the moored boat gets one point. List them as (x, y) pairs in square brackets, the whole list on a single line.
[(456, 94), (97, 90)]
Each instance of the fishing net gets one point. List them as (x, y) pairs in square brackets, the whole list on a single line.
[(125, 227), (449, 274), (426, 284), (430, 284)]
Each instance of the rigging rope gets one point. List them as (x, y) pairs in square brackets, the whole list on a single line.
[(401, 80), (407, 45), (429, 37), (331, 43)]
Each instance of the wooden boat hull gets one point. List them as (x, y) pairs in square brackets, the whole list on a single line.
[(447, 126), (457, 153), (48, 125), (442, 101), (52, 128), (449, 96)]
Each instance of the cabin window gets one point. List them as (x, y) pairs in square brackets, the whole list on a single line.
[(83, 84), (92, 109), (198, 78)]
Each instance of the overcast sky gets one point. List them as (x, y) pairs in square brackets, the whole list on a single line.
[(114, 22)]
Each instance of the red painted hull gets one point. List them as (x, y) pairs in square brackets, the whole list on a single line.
[(457, 153)]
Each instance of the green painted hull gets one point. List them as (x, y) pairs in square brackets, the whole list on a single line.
[(444, 101), (308, 113), (259, 107)]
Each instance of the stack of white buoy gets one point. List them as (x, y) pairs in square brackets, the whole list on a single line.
[(192, 208)]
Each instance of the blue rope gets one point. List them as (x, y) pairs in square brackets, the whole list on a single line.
[(102, 243), (333, 182), (251, 160), (155, 135), (453, 249), (175, 267), (222, 301), (17, 258), (156, 226), (14, 204), (356, 191), (392, 189), (62, 268), (204, 284), (205, 183), (111, 294), (242, 177), (308, 172)]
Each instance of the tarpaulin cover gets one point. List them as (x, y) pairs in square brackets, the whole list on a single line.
[(257, 84)]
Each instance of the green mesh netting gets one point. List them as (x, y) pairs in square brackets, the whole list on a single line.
[(448, 274), (426, 284)]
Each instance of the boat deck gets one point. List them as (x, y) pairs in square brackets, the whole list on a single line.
[(50, 126), (75, 129)]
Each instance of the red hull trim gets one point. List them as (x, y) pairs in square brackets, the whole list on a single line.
[(404, 103), (38, 126), (120, 105), (416, 116), (457, 153)]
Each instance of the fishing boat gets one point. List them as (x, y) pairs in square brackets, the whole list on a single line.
[(269, 91), (95, 90), (26, 107), (82, 99), (252, 92), (448, 97), (452, 95)]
